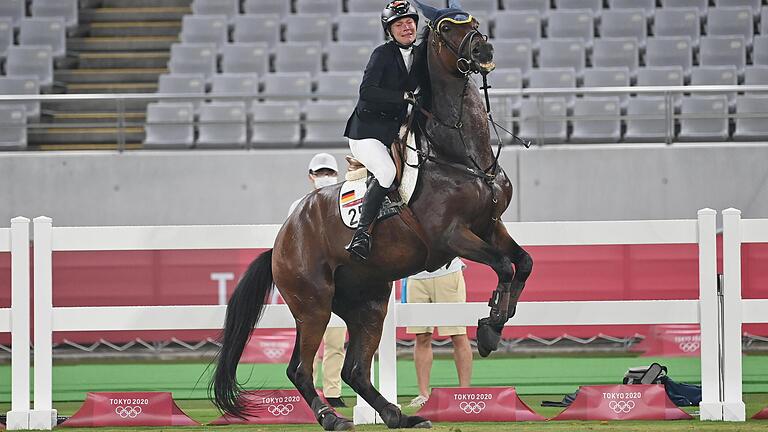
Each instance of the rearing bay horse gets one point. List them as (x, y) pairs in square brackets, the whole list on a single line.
[(461, 196)]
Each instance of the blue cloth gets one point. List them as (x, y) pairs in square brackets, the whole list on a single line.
[(453, 11)]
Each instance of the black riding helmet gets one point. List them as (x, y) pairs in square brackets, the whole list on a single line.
[(396, 10)]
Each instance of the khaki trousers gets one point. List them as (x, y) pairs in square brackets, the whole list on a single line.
[(333, 360)]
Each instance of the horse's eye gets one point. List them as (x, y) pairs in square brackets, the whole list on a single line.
[(446, 28)]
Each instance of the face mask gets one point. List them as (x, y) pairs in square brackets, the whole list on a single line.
[(325, 181)]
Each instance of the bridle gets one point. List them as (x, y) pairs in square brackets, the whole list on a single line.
[(465, 64)]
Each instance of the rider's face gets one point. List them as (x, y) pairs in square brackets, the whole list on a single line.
[(404, 31)]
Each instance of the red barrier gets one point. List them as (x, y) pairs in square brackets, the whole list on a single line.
[(123, 409), (671, 341), (269, 348), (271, 407), (623, 402), (762, 415), (477, 404)]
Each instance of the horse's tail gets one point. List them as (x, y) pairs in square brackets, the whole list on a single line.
[(243, 312)]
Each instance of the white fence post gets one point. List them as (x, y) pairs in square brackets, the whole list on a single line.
[(43, 415), (733, 405), (18, 416), (711, 407), (388, 353)]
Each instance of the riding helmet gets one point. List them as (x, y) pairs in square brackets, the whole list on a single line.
[(397, 9)]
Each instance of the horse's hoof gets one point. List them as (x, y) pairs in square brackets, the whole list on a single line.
[(487, 339), (344, 425), (335, 423), (422, 423)]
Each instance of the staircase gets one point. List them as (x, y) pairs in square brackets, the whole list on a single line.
[(121, 46)]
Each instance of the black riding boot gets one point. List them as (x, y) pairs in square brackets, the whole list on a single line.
[(360, 246)]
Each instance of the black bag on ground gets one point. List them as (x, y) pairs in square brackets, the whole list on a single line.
[(682, 394)]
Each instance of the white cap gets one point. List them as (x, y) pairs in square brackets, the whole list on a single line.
[(323, 161)]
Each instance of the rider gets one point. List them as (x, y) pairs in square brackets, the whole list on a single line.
[(395, 70)]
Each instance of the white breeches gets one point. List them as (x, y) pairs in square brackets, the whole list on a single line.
[(374, 155)]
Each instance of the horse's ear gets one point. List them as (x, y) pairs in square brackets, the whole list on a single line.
[(428, 11), (454, 4)]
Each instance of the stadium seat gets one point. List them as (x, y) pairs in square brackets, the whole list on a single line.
[(233, 84), (228, 8), (359, 27), (506, 79), (279, 7), (513, 54), (518, 25), (245, 58), (204, 29), (348, 56), (257, 28), (751, 129), (287, 84), (553, 78), (195, 58), (503, 114), (608, 77), (755, 5), (222, 124), (712, 124), (537, 123), (700, 5), (276, 123), (756, 75), (476, 6), (716, 75), (22, 86), (66, 9), (760, 50), (308, 28), (596, 130), (542, 6), (485, 21), (6, 35), (648, 6), (326, 121), (13, 122), (45, 31), (730, 21), (561, 53), (723, 50), (624, 23), (669, 51), (340, 83), (596, 6), (365, 6), (31, 60), (188, 84), (653, 126), (571, 24), (764, 21), (661, 76), (677, 22), (13, 9), (299, 57), (332, 7), (169, 125), (616, 52)]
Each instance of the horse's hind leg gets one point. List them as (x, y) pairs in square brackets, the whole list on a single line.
[(365, 319)]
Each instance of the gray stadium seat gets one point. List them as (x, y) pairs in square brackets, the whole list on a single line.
[(712, 124), (597, 130), (730, 21), (222, 124), (13, 9), (669, 51), (476, 6), (716, 75), (661, 76), (204, 29), (292, 84), (764, 21), (624, 23), (513, 54), (571, 24), (332, 7), (537, 122), (279, 7), (503, 113), (648, 6), (560, 53), (359, 27), (756, 75), (608, 77), (326, 121), (365, 6), (652, 127), (31, 60), (257, 28), (518, 25), (243, 84), (485, 21), (195, 58), (348, 56), (506, 79), (751, 129), (22, 86), (66, 9), (229, 8), (299, 57), (596, 6), (340, 83), (519, 5), (169, 125), (700, 5), (276, 123), (6, 35), (308, 28), (187, 84), (245, 57), (723, 50), (760, 50), (45, 31), (553, 78), (13, 127), (755, 5), (677, 22), (616, 52)]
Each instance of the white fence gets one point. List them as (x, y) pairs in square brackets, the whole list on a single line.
[(720, 401)]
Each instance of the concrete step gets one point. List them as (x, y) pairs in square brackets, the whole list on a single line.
[(121, 75), (84, 146), (133, 28), (96, 117), (104, 106), (111, 87), (90, 135), (126, 43), (143, 59), (133, 14), (144, 3)]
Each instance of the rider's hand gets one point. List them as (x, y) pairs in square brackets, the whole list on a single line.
[(410, 98)]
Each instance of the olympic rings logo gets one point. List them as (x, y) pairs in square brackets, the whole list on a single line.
[(280, 409), (128, 411), (472, 407), (273, 353), (621, 406), (689, 346)]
